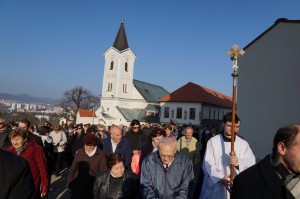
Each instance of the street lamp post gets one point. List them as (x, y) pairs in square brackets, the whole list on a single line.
[(234, 53)]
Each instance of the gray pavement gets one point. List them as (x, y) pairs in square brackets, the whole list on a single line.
[(59, 184)]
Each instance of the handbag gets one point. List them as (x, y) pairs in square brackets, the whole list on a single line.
[(135, 160)]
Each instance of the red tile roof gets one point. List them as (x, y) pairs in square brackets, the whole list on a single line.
[(198, 94), (86, 113)]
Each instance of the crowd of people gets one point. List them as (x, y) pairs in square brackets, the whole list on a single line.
[(141, 161)]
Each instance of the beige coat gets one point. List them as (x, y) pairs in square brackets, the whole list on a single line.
[(190, 149)]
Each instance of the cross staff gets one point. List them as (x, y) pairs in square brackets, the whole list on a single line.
[(234, 53)]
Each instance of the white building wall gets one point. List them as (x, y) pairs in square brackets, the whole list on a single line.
[(214, 112), (268, 86), (185, 112)]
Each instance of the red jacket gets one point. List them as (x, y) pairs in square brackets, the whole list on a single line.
[(36, 159)]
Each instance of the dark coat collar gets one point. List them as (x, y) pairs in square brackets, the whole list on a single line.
[(271, 178)]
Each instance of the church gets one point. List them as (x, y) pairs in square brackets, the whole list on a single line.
[(123, 98)]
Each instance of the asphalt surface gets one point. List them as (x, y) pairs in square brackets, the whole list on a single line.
[(58, 185)]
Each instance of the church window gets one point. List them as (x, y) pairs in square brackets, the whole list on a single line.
[(111, 65), (126, 66), (166, 112), (124, 88), (109, 87), (179, 113)]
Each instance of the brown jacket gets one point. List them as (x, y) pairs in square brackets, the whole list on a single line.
[(96, 163)]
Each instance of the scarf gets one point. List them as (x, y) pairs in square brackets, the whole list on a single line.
[(92, 153), (19, 150)]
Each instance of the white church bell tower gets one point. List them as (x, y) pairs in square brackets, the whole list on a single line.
[(117, 86)]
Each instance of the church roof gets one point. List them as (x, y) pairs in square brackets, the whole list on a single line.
[(130, 114), (143, 117), (198, 94), (141, 114), (121, 39), (150, 92)]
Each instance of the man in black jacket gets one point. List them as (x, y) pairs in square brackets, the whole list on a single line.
[(15, 179), (24, 124), (4, 134), (277, 175)]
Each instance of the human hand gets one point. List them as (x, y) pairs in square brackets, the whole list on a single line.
[(43, 195), (135, 152), (234, 160), (226, 182)]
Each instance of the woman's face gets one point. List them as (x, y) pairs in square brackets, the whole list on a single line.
[(17, 141), (136, 128), (168, 132), (156, 139), (88, 149), (118, 169)]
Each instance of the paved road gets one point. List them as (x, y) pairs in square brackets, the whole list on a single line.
[(58, 184)]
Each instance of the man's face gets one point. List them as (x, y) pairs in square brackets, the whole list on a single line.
[(167, 152), (22, 125), (116, 135), (291, 156), (147, 125), (189, 133), (228, 127)]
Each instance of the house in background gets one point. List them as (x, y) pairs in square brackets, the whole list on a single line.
[(123, 98), (268, 84), (194, 104), (86, 116)]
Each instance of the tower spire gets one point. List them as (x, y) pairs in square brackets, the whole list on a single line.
[(121, 39)]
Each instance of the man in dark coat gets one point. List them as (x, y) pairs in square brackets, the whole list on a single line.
[(116, 143), (4, 134), (15, 179), (277, 175), (24, 124)]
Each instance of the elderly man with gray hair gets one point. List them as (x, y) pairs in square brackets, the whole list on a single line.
[(166, 173)]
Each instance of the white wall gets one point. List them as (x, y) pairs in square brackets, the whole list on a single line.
[(268, 86)]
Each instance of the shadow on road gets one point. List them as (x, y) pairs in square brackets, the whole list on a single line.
[(59, 184)]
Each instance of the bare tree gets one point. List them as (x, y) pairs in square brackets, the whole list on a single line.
[(78, 98)]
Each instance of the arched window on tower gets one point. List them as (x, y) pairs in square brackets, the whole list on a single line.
[(111, 65), (124, 88), (126, 66)]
